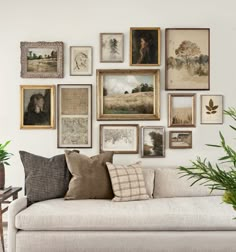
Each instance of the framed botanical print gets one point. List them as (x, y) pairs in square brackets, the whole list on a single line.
[(42, 59), (153, 142), (37, 106), (145, 46), (120, 138), (187, 59), (212, 109), (74, 116), (81, 60), (182, 110), (128, 94), (180, 139), (111, 47)]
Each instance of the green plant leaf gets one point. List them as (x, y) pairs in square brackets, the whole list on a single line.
[(214, 145)]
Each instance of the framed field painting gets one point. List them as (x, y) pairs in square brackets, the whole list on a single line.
[(120, 138), (128, 94), (81, 60), (42, 59), (182, 110), (111, 47), (145, 46), (212, 109), (187, 59), (180, 139), (153, 142), (37, 106), (74, 116)]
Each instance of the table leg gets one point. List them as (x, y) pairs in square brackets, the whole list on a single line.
[(15, 196), (1, 228)]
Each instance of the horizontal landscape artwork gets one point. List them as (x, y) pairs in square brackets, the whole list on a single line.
[(180, 139)]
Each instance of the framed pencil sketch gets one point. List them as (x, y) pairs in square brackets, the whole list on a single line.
[(37, 106), (182, 110), (128, 94), (111, 47), (212, 109), (187, 59), (180, 139), (81, 60), (42, 59), (145, 46), (74, 116), (153, 142), (120, 138)]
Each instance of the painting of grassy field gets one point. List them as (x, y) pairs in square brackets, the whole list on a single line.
[(182, 116)]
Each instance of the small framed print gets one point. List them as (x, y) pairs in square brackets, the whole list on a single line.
[(212, 109), (111, 47), (153, 142), (81, 60), (120, 138), (180, 139), (74, 116), (182, 110)]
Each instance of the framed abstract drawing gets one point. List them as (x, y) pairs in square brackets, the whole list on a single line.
[(180, 139)]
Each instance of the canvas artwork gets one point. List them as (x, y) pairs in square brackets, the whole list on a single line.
[(37, 107), (153, 141), (111, 47), (211, 109), (187, 59), (180, 139), (119, 138), (74, 116)]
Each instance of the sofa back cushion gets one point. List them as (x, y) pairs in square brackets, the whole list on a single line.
[(148, 175), (168, 183)]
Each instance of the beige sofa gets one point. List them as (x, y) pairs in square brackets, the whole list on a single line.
[(179, 218)]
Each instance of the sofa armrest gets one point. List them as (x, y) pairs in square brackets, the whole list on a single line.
[(14, 208)]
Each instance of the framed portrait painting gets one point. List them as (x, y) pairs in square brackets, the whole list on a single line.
[(187, 59), (74, 116), (180, 139), (81, 60), (212, 109), (145, 46), (119, 138), (37, 106), (42, 59), (128, 94), (153, 142), (111, 47)]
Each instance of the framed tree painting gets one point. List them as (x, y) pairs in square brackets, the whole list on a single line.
[(74, 116), (187, 59), (212, 109), (111, 47), (37, 106), (128, 94), (42, 59), (180, 139), (145, 46)]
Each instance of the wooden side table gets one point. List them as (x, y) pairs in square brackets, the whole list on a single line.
[(4, 200)]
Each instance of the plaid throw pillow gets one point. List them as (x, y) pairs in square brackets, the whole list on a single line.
[(127, 182)]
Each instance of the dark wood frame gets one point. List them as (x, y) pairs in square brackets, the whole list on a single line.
[(180, 147), (59, 86), (120, 125), (166, 56)]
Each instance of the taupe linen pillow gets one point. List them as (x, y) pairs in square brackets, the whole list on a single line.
[(90, 178)]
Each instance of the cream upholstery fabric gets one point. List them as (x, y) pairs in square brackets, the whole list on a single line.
[(148, 175)]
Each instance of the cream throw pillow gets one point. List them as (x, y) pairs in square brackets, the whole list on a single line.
[(127, 182)]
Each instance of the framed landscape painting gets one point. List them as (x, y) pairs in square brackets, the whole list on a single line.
[(81, 60), (42, 59), (111, 47), (128, 94), (145, 46), (119, 138), (37, 106), (153, 142), (180, 139), (74, 116), (187, 59), (212, 109), (182, 110)]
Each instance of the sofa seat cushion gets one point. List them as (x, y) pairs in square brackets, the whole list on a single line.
[(187, 213)]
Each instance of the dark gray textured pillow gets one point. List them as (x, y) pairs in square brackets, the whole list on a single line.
[(45, 178)]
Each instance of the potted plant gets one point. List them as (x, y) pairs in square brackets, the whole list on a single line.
[(4, 156)]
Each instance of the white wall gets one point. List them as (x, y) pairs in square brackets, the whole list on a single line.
[(79, 22)]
